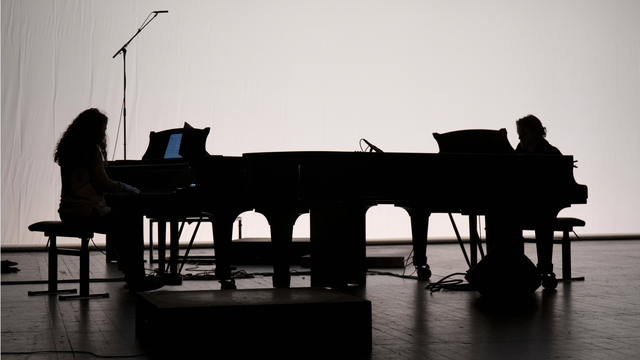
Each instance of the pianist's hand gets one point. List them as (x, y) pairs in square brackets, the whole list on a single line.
[(131, 189)]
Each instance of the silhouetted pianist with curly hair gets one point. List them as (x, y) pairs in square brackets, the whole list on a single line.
[(81, 153), (532, 137)]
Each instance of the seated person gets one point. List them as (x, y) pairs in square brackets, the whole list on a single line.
[(532, 137), (532, 141), (81, 154)]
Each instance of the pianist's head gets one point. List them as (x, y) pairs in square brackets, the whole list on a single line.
[(530, 131), (87, 131)]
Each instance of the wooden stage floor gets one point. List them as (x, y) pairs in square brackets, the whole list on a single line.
[(598, 318)]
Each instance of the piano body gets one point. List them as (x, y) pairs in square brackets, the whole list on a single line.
[(337, 188), (174, 189), (179, 179)]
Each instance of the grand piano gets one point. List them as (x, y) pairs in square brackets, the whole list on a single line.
[(174, 190), (189, 183), (337, 188)]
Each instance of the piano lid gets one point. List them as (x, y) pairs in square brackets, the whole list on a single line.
[(188, 141), (474, 142)]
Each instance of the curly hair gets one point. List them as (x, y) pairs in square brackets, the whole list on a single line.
[(533, 124), (82, 136)]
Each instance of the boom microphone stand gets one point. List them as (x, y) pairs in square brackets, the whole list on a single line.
[(123, 50)]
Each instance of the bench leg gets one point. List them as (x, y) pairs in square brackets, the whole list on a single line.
[(52, 280), (151, 261), (566, 258), (566, 255), (84, 276), (84, 268)]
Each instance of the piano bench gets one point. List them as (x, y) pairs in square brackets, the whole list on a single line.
[(53, 230), (564, 225)]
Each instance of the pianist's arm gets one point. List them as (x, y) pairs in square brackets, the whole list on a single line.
[(101, 182)]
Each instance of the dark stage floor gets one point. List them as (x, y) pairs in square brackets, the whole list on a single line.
[(598, 318)]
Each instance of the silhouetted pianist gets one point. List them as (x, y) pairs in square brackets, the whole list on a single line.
[(532, 137), (81, 154), (532, 141), (546, 170)]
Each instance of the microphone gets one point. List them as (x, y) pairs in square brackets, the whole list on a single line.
[(160, 11), (373, 147)]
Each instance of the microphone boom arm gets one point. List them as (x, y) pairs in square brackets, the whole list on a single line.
[(123, 49)]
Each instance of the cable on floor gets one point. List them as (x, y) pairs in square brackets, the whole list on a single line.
[(240, 274), (375, 272), (69, 281), (453, 284), (68, 352)]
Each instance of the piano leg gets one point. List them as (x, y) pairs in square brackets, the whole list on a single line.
[(162, 246), (281, 221), (172, 277), (356, 251), (281, 239), (338, 244), (419, 231), (222, 235), (174, 253), (474, 239)]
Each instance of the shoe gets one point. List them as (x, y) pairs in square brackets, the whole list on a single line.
[(549, 281), (145, 284), (7, 267)]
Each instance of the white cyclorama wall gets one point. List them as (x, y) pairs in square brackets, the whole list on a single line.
[(319, 75)]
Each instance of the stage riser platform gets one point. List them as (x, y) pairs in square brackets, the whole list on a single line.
[(286, 323)]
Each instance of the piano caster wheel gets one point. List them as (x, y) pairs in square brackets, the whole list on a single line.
[(549, 281), (424, 271), (227, 285)]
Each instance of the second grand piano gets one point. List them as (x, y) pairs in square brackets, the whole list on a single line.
[(337, 188)]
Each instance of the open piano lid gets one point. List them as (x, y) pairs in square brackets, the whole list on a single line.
[(192, 143), (474, 142)]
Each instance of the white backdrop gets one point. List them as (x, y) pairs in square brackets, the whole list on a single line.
[(270, 75)]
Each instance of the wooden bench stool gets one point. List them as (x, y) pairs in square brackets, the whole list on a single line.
[(564, 225), (54, 229)]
